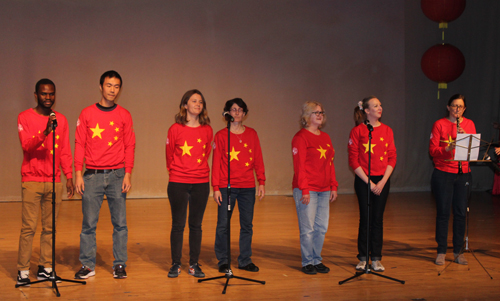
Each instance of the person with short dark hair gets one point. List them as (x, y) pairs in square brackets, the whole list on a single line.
[(35, 132), (383, 161), (245, 158), (188, 146), (314, 185), (449, 178), (105, 140)]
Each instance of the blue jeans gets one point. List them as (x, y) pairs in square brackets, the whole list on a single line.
[(450, 191), (313, 224), (246, 202), (96, 186)]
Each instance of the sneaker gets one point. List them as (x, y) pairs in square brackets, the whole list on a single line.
[(321, 268), (84, 273), (43, 273), (440, 259), (175, 270), (119, 272), (23, 278), (223, 268), (309, 269), (195, 271), (377, 266), (361, 265), (249, 267), (460, 259)]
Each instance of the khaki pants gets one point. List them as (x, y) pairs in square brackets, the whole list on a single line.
[(37, 195)]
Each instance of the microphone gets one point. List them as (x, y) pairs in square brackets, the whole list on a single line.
[(227, 116), (368, 125), (54, 122)]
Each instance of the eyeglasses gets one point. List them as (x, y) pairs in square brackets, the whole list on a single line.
[(318, 113), (459, 107), (240, 110)]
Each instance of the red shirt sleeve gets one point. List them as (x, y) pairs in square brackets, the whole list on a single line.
[(299, 151), (259, 162)]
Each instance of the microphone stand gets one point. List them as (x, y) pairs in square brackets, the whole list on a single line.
[(229, 273), (53, 278), (367, 269)]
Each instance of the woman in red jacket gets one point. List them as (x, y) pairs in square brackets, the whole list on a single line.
[(245, 158), (449, 178), (383, 161), (188, 146), (314, 185)]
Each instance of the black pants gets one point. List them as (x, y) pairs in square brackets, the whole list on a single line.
[(377, 208), (180, 195)]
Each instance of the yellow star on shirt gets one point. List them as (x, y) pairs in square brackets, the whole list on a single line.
[(204, 146), (322, 151), (234, 155), (199, 160), (96, 131), (57, 136), (381, 138), (110, 143), (116, 138), (111, 123), (381, 158), (43, 144), (57, 146), (199, 140), (387, 144), (246, 164), (249, 150), (51, 152), (366, 147), (251, 158), (203, 154), (185, 148), (117, 129), (328, 145), (245, 145)]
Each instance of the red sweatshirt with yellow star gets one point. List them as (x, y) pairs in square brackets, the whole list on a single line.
[(313, 162), (245, 157), (38, 148), (443, 133), (383, 150), (105, 138), (187, 152)]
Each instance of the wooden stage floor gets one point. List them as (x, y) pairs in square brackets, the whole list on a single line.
[(409, 253)]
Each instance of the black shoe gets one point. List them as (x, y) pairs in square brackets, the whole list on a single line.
[(250, 267), (309, 270), (44, 273), (119, 272), (223, 268), (84, 273), (195, 270), (321, 268), (175, 270), (23, 277)]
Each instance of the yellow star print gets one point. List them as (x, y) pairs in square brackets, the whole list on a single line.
[(322, 151), (234, 155), (199, 160), (96, 131), (110, 143), (116, 138), (245, 145), (57, 146), (387, 144), (366, 147), (249, 150), (381, 158), (117, 129), (199, 140), (51, 152), (246, 164), (251, 158), (381, 138), (111, 123), (185, 148), (204, 146), (57, 136)]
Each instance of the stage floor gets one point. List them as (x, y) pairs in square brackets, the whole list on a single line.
[(409, 253)]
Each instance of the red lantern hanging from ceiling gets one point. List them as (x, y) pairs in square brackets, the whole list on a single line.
[(443, 11), (443, 63)]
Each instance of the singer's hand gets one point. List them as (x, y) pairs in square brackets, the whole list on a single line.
[(48, 128), (333, 195), (79, 184), (218, 197), (450, 147), (497, 150), (70, 188), (461, 131), (127, 183), (306, 198), (262, 192)]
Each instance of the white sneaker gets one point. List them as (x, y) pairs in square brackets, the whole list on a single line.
[(361, 265), (23, 277), (377, 266)]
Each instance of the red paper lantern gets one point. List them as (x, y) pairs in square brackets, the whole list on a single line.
[(443, 11), (443, 63)]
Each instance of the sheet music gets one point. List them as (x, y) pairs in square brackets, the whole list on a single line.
[(462, 147)]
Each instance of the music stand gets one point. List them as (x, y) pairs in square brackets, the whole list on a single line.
[(466, 143)]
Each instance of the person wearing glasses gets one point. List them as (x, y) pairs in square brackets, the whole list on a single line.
[(314, 185), (449, 178), (245, 158), (383, 160)]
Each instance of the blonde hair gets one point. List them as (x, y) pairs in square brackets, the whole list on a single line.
[(307, 108)]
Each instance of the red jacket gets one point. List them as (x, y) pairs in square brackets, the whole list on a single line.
[(313, 162), (38, 148), (246, 155), (105, 139)]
